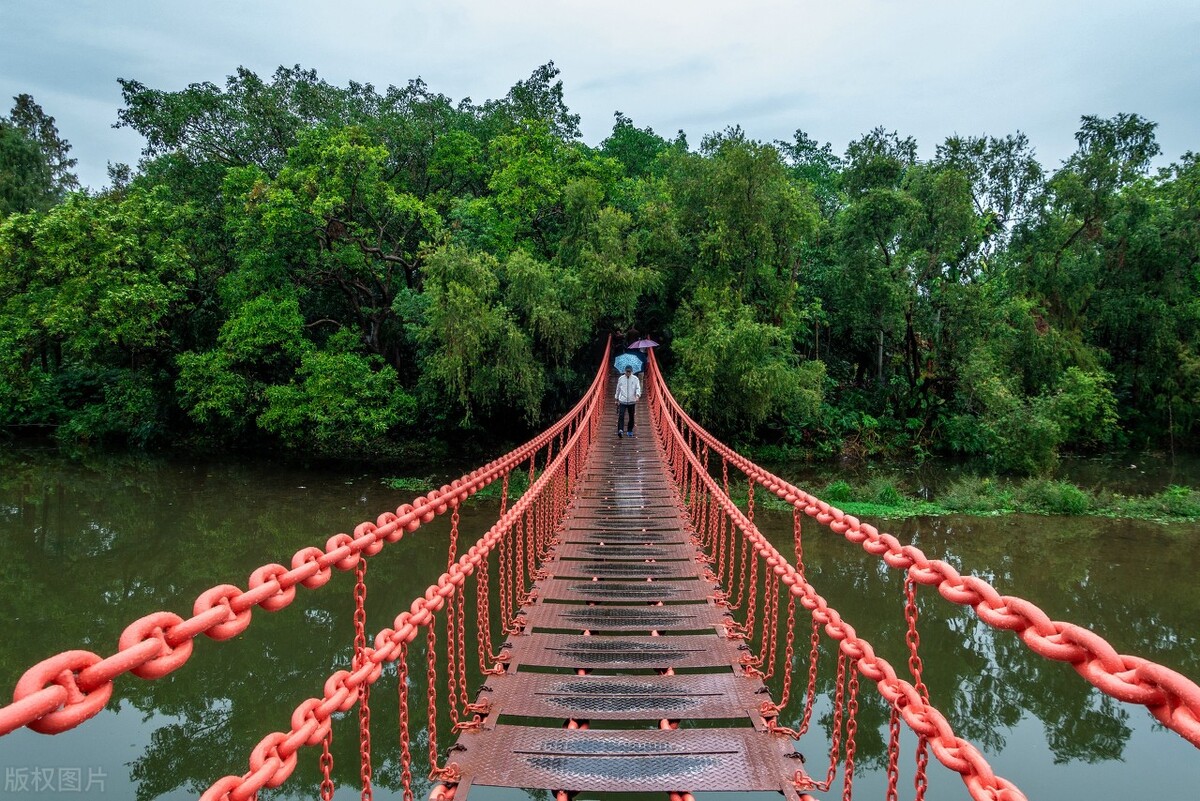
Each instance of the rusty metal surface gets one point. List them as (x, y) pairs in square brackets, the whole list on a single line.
[(696, 760), (624, 652), (623, 551), (695, 697), (643, 618), (661, 492), (629, 492), (625, 591), (659, 539), (647, 509), (633, 520), (663, 527), (643, 524), (624, 570)]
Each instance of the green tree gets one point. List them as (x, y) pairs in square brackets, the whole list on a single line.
[(818, 167), (540, 99), (736, 373), (249, 122), (1006, 181), (744, 220), (1143, 313), (28, 117), (636, 148), (90, 296), (1062, 245), (262, 344), (25, 180), (340, 401), (478, 356), (741, 221), (333, 224)]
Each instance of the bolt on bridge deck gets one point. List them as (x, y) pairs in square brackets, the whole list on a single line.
[(624, 647)]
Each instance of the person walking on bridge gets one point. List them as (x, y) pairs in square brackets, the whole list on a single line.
[(629, 389)]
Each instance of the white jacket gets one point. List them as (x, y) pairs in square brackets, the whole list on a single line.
[(629, 389)]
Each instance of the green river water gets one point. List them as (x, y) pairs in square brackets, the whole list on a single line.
[(89, 547)]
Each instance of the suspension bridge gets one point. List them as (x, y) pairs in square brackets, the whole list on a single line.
[(628, 617)]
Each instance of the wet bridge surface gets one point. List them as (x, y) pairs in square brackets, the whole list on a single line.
[(622, 678)]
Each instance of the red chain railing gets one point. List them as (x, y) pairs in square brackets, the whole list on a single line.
[(63, 691), (526, 528), (684, 444), (1172, 698)]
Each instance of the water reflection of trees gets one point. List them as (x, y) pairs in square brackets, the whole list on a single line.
[(92, 549), (985, 680)]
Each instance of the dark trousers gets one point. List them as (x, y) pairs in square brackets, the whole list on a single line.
[(622, 408)]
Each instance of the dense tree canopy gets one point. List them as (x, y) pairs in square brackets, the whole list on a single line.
[(340, 270)]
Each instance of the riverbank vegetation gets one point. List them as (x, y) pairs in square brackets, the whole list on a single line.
[(884, 497), (348, 272)]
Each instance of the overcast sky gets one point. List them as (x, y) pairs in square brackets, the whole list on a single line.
[(835, 69)]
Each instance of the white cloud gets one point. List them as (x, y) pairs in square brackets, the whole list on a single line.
[(928, 68)]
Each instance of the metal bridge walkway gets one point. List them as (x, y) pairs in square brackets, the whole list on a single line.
[(623, 638)]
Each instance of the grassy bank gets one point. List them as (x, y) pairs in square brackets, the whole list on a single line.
[(517, 484), (976, 496), (883, 497)]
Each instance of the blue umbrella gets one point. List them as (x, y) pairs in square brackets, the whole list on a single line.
[(627, 359)]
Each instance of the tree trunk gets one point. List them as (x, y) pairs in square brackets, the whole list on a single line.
[(879, 359)]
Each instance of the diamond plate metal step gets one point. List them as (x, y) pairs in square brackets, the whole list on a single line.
[(625, 551), (624, 570), (625, 591), (643, 618), (623, 652), (696, 760), (696, 697)]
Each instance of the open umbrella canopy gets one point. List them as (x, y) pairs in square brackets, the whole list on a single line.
[(643, 343), (630, 359)]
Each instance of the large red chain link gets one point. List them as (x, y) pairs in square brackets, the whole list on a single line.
[(1172, 698)]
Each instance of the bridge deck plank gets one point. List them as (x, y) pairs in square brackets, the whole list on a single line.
[(621, 618), (669, 592), (622, 551), (625, 697), (695, 760)]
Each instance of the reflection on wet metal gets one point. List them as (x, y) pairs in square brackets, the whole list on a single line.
[(632, 761), (624, 569), (613, 590), (721, 696), (611, 617)]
